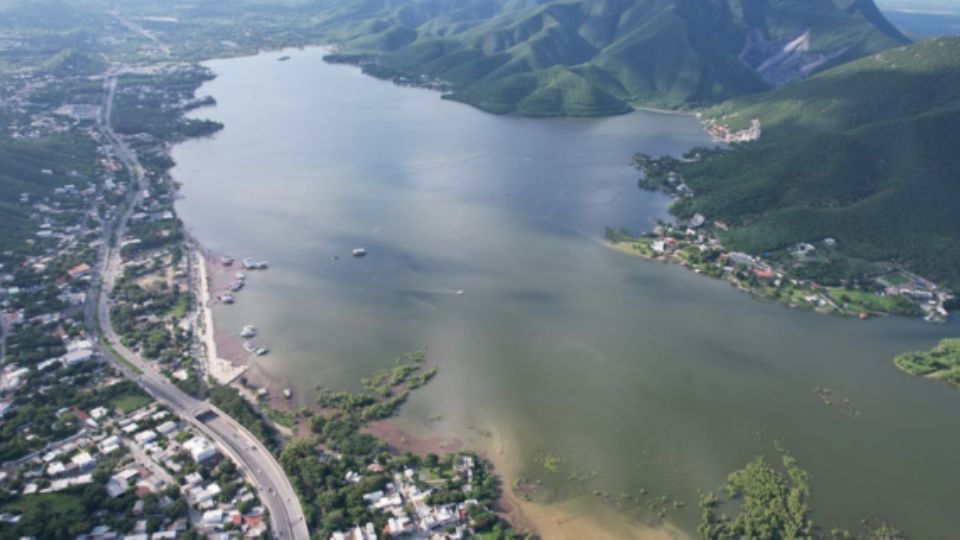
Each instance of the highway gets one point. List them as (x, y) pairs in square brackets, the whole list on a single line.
[(257, 463)]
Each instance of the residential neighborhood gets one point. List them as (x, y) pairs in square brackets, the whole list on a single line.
[(75, 434)]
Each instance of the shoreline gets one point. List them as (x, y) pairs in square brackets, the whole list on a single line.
[(574, 518), (223, 370), (768, 282)]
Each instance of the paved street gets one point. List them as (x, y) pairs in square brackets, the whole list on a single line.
[(254, 459)]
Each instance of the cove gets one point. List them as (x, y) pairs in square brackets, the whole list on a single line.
[(644, 379)]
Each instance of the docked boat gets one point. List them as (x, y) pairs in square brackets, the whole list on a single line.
[(359, 252), (226, 261), (248, 331), (227, 298), (262, 351), (236, 286), (249, 263)]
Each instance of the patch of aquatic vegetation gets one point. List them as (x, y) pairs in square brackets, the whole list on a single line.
[(584, 475), (482, 432), (386, 390), (831, 398), (408, 373), (941, 362), (554, 478), (550, 462), (770, 500)]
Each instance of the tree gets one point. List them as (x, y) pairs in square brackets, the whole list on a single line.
[(771, 505)]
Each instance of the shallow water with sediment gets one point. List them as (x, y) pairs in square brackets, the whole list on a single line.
[(616, 387)]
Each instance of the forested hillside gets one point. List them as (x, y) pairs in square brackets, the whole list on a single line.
[(865, 153), (602, 56)]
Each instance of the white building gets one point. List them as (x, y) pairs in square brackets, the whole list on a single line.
[(145, 436), (83, 460), (167, 427), (200, 449)]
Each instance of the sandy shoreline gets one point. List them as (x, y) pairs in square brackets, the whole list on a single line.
[(227, 359), (225, 354), (571, 519)]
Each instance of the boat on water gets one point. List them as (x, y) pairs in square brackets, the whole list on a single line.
[(262, 351), (227, 298), (248, 331), (249, 263), (236, 286), (287, 393), (359, 252), (226, 261)]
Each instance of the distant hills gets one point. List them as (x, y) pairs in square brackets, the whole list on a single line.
[(593, 57), (69, 63), (865, 153)]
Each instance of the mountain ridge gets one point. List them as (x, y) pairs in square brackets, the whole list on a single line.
[(863, 153), (605, 56)]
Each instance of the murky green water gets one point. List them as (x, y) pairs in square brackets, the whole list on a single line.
[(651, 376)]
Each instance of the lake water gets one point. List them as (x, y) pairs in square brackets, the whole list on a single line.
[(657, 381)]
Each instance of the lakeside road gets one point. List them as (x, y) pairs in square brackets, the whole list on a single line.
[(259, 466)]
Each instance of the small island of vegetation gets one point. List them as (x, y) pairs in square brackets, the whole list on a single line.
[(766, 501), (941, 362)]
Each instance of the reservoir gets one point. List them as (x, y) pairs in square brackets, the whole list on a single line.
[(646, 381)]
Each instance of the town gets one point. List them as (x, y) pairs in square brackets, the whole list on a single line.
[(811, 275), (85, 452), (116, 411)]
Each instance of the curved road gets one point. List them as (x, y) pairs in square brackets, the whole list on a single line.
[(252, 457)]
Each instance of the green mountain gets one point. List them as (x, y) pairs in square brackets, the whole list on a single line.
[(865, 153), (68, 63), (590, 57)]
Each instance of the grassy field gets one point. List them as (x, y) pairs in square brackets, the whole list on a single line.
[(130, 402), (860, 301), (51, 515), (179, 309)]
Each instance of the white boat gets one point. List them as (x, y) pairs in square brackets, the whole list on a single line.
[(359, 252), (241, 276), (248, 331), (251, 264), (227, 298), (262, 351)]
